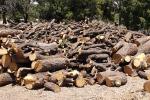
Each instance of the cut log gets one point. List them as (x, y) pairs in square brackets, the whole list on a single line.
[(52, 87), (141, 41), (98, 57), (117, 80), (119, 45), (145, 48), (37, 56), (94, 51), (34, 81), (94, 46), (144, 74), (127, 59), (147, 86), (13, 67), (90, 81), (53, 64), (19, 56), (12, 32), (36, 84), (129, 70), (99, 66), (148, 60), (111, 78), (68, 82), (58, 77), (128, 36), (73, 74), (23, 71), (139, 61), (5, 79), (80, 81), (127, 50)]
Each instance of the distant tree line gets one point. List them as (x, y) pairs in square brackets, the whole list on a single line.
[(135, 14)]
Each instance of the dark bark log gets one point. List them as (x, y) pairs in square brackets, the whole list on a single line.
[(52, 87), (5, 79), (53, 64)]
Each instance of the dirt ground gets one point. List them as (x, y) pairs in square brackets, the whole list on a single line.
[(133, 90)]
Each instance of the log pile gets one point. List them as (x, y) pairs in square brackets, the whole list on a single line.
[(52, 55)]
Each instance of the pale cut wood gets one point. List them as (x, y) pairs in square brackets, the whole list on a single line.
[(80, 81), (139, 61), (3, 51), (6, 60), (58, 77)]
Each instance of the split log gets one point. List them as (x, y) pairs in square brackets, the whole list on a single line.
[(52, 87), (6, 61), (128, 49), (5, 79), (49, 64), (3, 51), (12, 32)]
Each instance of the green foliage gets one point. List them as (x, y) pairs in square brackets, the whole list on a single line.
[(135, 14)]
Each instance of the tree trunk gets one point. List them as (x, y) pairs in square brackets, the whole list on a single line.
[(4, 17), (26, 17)]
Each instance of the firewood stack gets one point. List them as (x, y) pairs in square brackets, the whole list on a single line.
[(53, 55)]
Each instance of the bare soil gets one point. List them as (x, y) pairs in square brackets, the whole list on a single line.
[(133, 90)]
